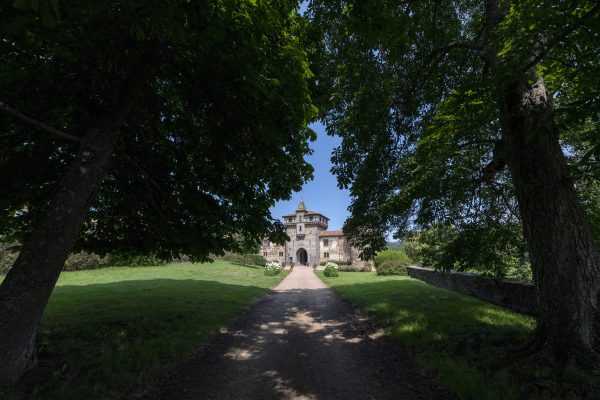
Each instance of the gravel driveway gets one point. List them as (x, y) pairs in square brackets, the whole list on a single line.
[(299, 342)]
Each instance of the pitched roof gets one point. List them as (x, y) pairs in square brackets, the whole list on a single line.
[(331, 233), (301, 206)]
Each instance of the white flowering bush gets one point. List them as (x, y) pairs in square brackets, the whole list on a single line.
[(331, 269), (273, 268)]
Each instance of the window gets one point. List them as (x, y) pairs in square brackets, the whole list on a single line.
[(266, 243), (281, 254), (299, 228), (265, 254), (325, 242), (326, 254), (310, 218)]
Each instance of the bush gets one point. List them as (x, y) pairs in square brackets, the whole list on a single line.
[(389, 255), (393, 267), (84, 260), (355, 268), (244, 259), (331, 269), (273, 268), (7, 258), (75, 262), (337, 262), (367, 267), (127, 260), (255, 259)]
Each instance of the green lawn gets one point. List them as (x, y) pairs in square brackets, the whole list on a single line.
[(103, 330), (462, 339)]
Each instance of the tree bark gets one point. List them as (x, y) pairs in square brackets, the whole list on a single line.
[(26, 289), (565, 262)]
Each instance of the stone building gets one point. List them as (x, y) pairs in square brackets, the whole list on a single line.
[(310, 241)]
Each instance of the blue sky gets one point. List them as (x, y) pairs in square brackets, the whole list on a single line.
[(321, 194)]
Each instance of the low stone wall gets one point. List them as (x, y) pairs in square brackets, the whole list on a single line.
[(517, 295)]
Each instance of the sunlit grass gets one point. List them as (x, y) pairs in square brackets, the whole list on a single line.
[(103, 330), (461, 339)]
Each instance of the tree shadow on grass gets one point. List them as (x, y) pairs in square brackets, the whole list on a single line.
[(96, 340), (299, 344), (464, 339), (241, 264)]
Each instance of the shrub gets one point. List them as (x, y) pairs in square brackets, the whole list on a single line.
[(355, 268), (331, 269), (244, 259), (389, 255), (7, 258), (393, 267), (337, 262), (84, 260), (255, 259), (367, 267), (75, 262), (272, 268), (128, 260)]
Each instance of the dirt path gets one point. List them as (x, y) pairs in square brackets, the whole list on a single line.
[(300, 342)]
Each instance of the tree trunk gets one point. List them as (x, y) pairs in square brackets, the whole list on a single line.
[(565, 262), (29, 283)]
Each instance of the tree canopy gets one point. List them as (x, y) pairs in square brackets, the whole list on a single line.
[(406, 86), (473, 118), (142, 127), (215, 135)]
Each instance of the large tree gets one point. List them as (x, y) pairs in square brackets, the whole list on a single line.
[(164, 127), (461, 112)]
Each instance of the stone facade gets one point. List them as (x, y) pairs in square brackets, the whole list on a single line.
[(310, 241)]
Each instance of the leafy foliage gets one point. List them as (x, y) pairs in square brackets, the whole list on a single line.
[(331, 269), (392, 267), (83, 260), (388, 255), (497, 250), (216, 135), (7, 258), (414, 99), (273, 268)]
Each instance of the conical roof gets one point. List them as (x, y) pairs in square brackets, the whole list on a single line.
[(301, 206)]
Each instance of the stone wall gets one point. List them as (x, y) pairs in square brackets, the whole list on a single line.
[(517, 295)]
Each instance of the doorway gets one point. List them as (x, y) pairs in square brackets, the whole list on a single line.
[(302, 256)]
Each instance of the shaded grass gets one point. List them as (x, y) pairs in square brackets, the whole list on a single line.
[(104, 330), (463, 339)]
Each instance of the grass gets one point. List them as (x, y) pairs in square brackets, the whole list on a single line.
[(105, 330), (462, 339)]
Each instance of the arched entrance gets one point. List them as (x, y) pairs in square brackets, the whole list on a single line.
[(302, 256)]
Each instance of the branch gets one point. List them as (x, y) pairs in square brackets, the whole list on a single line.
[(496, 165), (539, 55), (477, 141), (459, 44), (497, 188), (145, 175), (39, 124)]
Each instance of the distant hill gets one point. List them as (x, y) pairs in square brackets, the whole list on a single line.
[(394, 245)]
